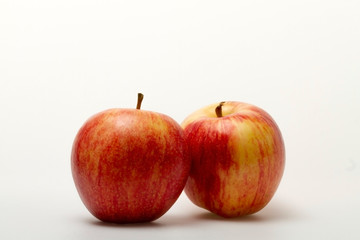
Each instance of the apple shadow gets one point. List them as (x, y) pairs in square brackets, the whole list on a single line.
[(99, 223), (213, 217), (280, 211), (275, 211), (168, 220)]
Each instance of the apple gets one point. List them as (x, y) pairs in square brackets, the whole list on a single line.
[(129, 165), (238, 158)]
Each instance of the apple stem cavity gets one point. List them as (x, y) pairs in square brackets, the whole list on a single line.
[(139, 101), (218, 110)]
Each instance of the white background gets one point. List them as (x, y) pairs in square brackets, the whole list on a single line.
[(63, 61)]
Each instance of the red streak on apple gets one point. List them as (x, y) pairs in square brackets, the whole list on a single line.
[(237, 159), (129, 165)]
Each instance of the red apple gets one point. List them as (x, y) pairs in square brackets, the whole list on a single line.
[(129, 165), (238, 158)]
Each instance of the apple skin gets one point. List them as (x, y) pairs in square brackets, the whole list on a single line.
[(129, 165), (238, 159)]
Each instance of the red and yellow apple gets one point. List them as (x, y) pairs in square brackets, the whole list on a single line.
[(129, 165), (238, 158)]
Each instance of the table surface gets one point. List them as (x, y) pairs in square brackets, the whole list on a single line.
[(291, 214)]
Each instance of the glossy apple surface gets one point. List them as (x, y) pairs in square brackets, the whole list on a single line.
[(129, 165), (238, 158)]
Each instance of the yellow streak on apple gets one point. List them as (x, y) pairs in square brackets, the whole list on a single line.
[(243, 174)]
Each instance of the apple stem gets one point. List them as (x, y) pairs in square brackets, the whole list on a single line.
[(218, 110), (139, 101)]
